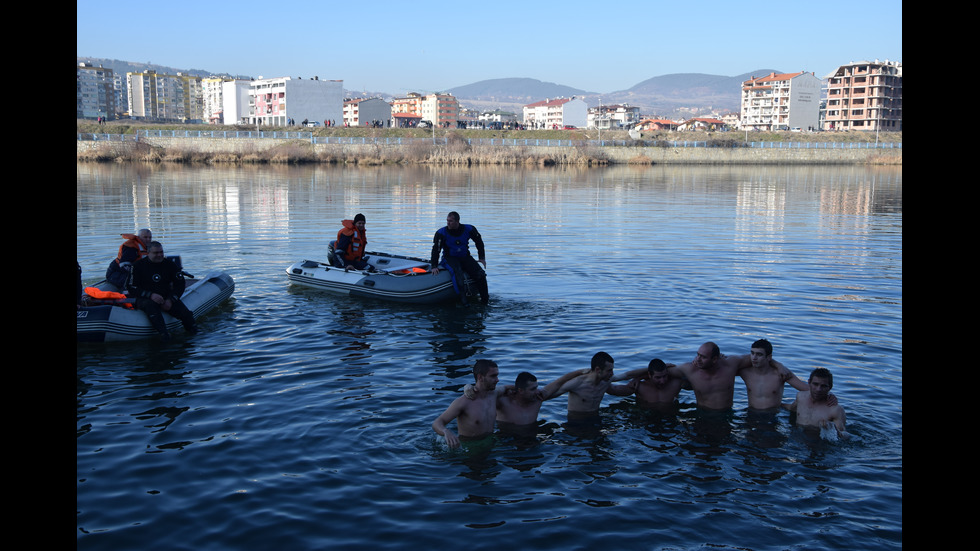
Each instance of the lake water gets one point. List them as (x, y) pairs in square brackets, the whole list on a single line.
[(299, 419)]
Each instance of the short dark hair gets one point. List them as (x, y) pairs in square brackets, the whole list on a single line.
[(601, 359), (763, 344), (153, 244), (454, 214), (482, 367), (523, 378), (656, 364), (359, 217), (823, 373)]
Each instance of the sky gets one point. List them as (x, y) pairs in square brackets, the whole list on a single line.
[(396, 47)]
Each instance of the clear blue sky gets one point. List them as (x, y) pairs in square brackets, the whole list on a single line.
[(398, 46)]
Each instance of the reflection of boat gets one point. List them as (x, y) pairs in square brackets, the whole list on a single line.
[(118, 321), (388, 277)]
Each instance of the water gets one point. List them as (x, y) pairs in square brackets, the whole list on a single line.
[(301, 420)]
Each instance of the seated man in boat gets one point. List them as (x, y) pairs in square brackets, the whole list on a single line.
[(157, 284), (351, 242), (453, 241), (133, 249), (812, 407)]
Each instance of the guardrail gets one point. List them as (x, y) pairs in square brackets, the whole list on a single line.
[(292, 135)]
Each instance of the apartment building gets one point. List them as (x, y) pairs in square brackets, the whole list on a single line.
[(864, 95), (613, 116), (440, 109), (367, 111), (211, 90), (556, 113), (408, 107), (95, 91), (781, 102), (276, 101), (161, 97)]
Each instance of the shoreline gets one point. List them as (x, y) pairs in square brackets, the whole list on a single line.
[(381, 146)]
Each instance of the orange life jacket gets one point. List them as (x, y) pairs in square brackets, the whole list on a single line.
[(107, 297), (358, 241), (133, 242)]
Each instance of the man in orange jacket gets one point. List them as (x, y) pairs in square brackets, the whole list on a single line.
[(351, 243), (133, 249)]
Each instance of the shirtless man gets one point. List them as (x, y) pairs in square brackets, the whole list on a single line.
[(586, 390), (764, 378), (474, 416), (519, 405), (657, 389), (812, 408)]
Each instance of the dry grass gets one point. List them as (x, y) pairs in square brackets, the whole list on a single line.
[(455, 151)]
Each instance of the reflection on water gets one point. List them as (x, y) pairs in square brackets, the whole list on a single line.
[(297, 414)]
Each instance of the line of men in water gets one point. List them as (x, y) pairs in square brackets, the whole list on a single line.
[(710, 375)]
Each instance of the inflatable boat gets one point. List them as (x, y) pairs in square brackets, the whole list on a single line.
[(387, 277), (107, 316)]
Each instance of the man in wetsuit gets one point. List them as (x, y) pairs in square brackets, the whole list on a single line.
[(156, 284), (453, 241)]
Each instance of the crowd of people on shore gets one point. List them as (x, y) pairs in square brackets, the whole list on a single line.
[(710, 375)]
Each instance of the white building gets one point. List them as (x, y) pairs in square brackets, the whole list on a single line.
[(162, 97), (95, 92), (613, 116), (781, 102), (276, 101), (235, 101), (556, 113)]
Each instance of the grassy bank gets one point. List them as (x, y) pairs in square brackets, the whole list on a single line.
[(455, 152)]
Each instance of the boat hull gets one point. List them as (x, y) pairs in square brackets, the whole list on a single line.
[(383, 284), (108, 323)]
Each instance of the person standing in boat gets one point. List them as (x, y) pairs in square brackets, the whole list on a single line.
[(453, 241), (351, 242), (157, 284), (133, 249)]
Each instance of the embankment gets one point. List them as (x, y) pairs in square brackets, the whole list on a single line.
[(461, 151)]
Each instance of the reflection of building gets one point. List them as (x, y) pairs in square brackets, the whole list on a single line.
[(273, 101), (95, 92), (781, 102), (161, 97), (864, 96), (556, 113)]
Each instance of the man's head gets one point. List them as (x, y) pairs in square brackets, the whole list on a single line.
[(526, 383), (359, 221), (486, 374), (146, 236), (452, 220), (602, 363), (657, 372), (154, 251), (760, 353), (708, 354), (821, 381)]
